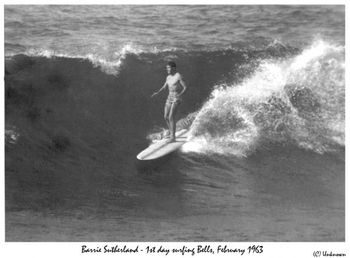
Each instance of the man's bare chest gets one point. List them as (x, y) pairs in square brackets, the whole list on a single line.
[(172, 80)]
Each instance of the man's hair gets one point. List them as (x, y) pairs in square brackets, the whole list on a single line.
[(172, 64)]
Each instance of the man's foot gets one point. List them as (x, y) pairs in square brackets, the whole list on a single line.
[(171, 139), (166, 134)]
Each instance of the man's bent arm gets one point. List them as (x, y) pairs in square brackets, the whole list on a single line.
[(183, 84)]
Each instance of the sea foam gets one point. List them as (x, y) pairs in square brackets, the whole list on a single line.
[(298, 100)]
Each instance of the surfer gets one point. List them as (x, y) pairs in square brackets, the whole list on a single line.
[(176, 87)]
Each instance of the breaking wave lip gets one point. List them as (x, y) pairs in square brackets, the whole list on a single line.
[(111, 64), (298, 101), (107, 66)]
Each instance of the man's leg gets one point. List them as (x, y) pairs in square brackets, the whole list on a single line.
[(172, 120), (167, 109)]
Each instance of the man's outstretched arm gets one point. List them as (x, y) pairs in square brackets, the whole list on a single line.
[(157, 92)]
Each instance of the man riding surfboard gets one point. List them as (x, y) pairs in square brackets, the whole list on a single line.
[(176, 87)]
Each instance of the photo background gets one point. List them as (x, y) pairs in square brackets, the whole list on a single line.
[(266, 160)]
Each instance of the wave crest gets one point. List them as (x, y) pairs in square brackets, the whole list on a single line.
[(298, 100)]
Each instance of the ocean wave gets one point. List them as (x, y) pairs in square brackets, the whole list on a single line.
[(107, 66), (298, 100), (112, 62), (54, 100)]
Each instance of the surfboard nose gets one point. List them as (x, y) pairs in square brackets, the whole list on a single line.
[(163, 147)]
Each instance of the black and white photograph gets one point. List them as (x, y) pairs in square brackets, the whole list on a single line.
[(174, 123)]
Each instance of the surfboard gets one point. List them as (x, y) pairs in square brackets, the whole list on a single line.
[(162, 147)]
